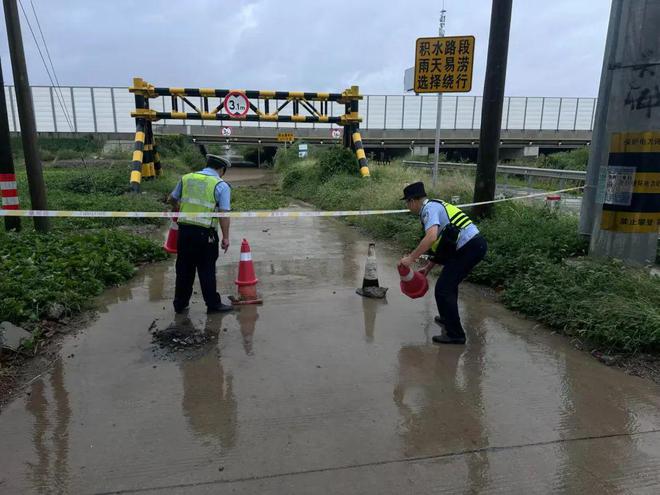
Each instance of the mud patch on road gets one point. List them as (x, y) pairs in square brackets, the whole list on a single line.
[(181, 337)]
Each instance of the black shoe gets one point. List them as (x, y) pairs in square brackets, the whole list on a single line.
[(219, 308), (445, 339), (181, 310), (439, 320)]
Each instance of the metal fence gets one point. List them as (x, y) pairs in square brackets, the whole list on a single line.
[(517, 170), (107, 109)]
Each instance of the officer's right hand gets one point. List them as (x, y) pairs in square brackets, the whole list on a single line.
[(225, 244)]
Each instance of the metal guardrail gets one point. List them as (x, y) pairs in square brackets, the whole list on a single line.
[(527, 172), (107, 109)]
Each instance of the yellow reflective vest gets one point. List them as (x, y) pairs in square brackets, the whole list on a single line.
[(445, 245), (198, 196)]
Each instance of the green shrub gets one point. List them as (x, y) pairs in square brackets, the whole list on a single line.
[(285, 156), (67, 268), (172, 144), (257, 198), (47, 155), (337, 160), (603, 303), (87, 145), (192, 159), (110, 181), (565, 160), (117, 153), (520, 235), (301, 180), (68, 154)]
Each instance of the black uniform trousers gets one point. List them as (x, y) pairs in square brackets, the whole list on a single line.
[(197, 250), (454, 272)]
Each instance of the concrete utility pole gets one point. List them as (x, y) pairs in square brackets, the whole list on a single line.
[(599, 139), (493, 100), (6, 158), (627, 218), (26, 115), (438, 117)]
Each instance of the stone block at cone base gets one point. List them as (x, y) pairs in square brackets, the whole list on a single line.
[(246, 295), (373, 292), (12, 336)]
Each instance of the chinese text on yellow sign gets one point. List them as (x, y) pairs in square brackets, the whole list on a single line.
[(285, 137), (444, 65)]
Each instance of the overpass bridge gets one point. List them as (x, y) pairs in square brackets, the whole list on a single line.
[(388, 121)]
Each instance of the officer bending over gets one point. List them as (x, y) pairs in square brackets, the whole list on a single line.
[(450, 239)]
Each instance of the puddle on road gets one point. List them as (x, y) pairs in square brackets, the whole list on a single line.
[(320, 378)]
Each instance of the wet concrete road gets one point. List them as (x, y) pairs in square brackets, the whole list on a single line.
[(320, 391)]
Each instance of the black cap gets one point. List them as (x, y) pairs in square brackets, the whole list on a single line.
[(215, 161), (414, 191)]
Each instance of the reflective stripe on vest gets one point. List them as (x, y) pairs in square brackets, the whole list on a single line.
[(198, 196), (455, 215)]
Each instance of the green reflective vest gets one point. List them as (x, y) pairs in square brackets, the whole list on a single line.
[(448, 236), (198, 196)]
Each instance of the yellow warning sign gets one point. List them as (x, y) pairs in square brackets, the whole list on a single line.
[(630, 222), (635, 142), (286, 137), (444, 65), (631, 183)]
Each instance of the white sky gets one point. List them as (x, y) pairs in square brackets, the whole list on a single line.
[(556, 46)]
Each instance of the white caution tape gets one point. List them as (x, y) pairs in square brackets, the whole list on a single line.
[(173, 214), (239, 214), (535, 195)]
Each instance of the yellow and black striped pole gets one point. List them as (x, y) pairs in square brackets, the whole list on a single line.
[(157, 165), (361, 156), (148, 170), (138, 156)]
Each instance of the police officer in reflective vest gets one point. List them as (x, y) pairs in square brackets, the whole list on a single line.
[(197, 249), (452, 240)]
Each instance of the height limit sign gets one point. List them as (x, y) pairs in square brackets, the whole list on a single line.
[(444, 65)]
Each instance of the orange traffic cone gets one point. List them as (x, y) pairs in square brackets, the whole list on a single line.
[(172, 239), (413, 284), (247, 279)]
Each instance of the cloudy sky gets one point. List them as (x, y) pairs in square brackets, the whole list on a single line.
[(556, 46)]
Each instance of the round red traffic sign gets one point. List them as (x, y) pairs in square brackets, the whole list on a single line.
[(236, 104)]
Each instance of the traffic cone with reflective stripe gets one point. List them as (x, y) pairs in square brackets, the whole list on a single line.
[(370, 285), (413, 284), (247, 279), (172, 239)]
